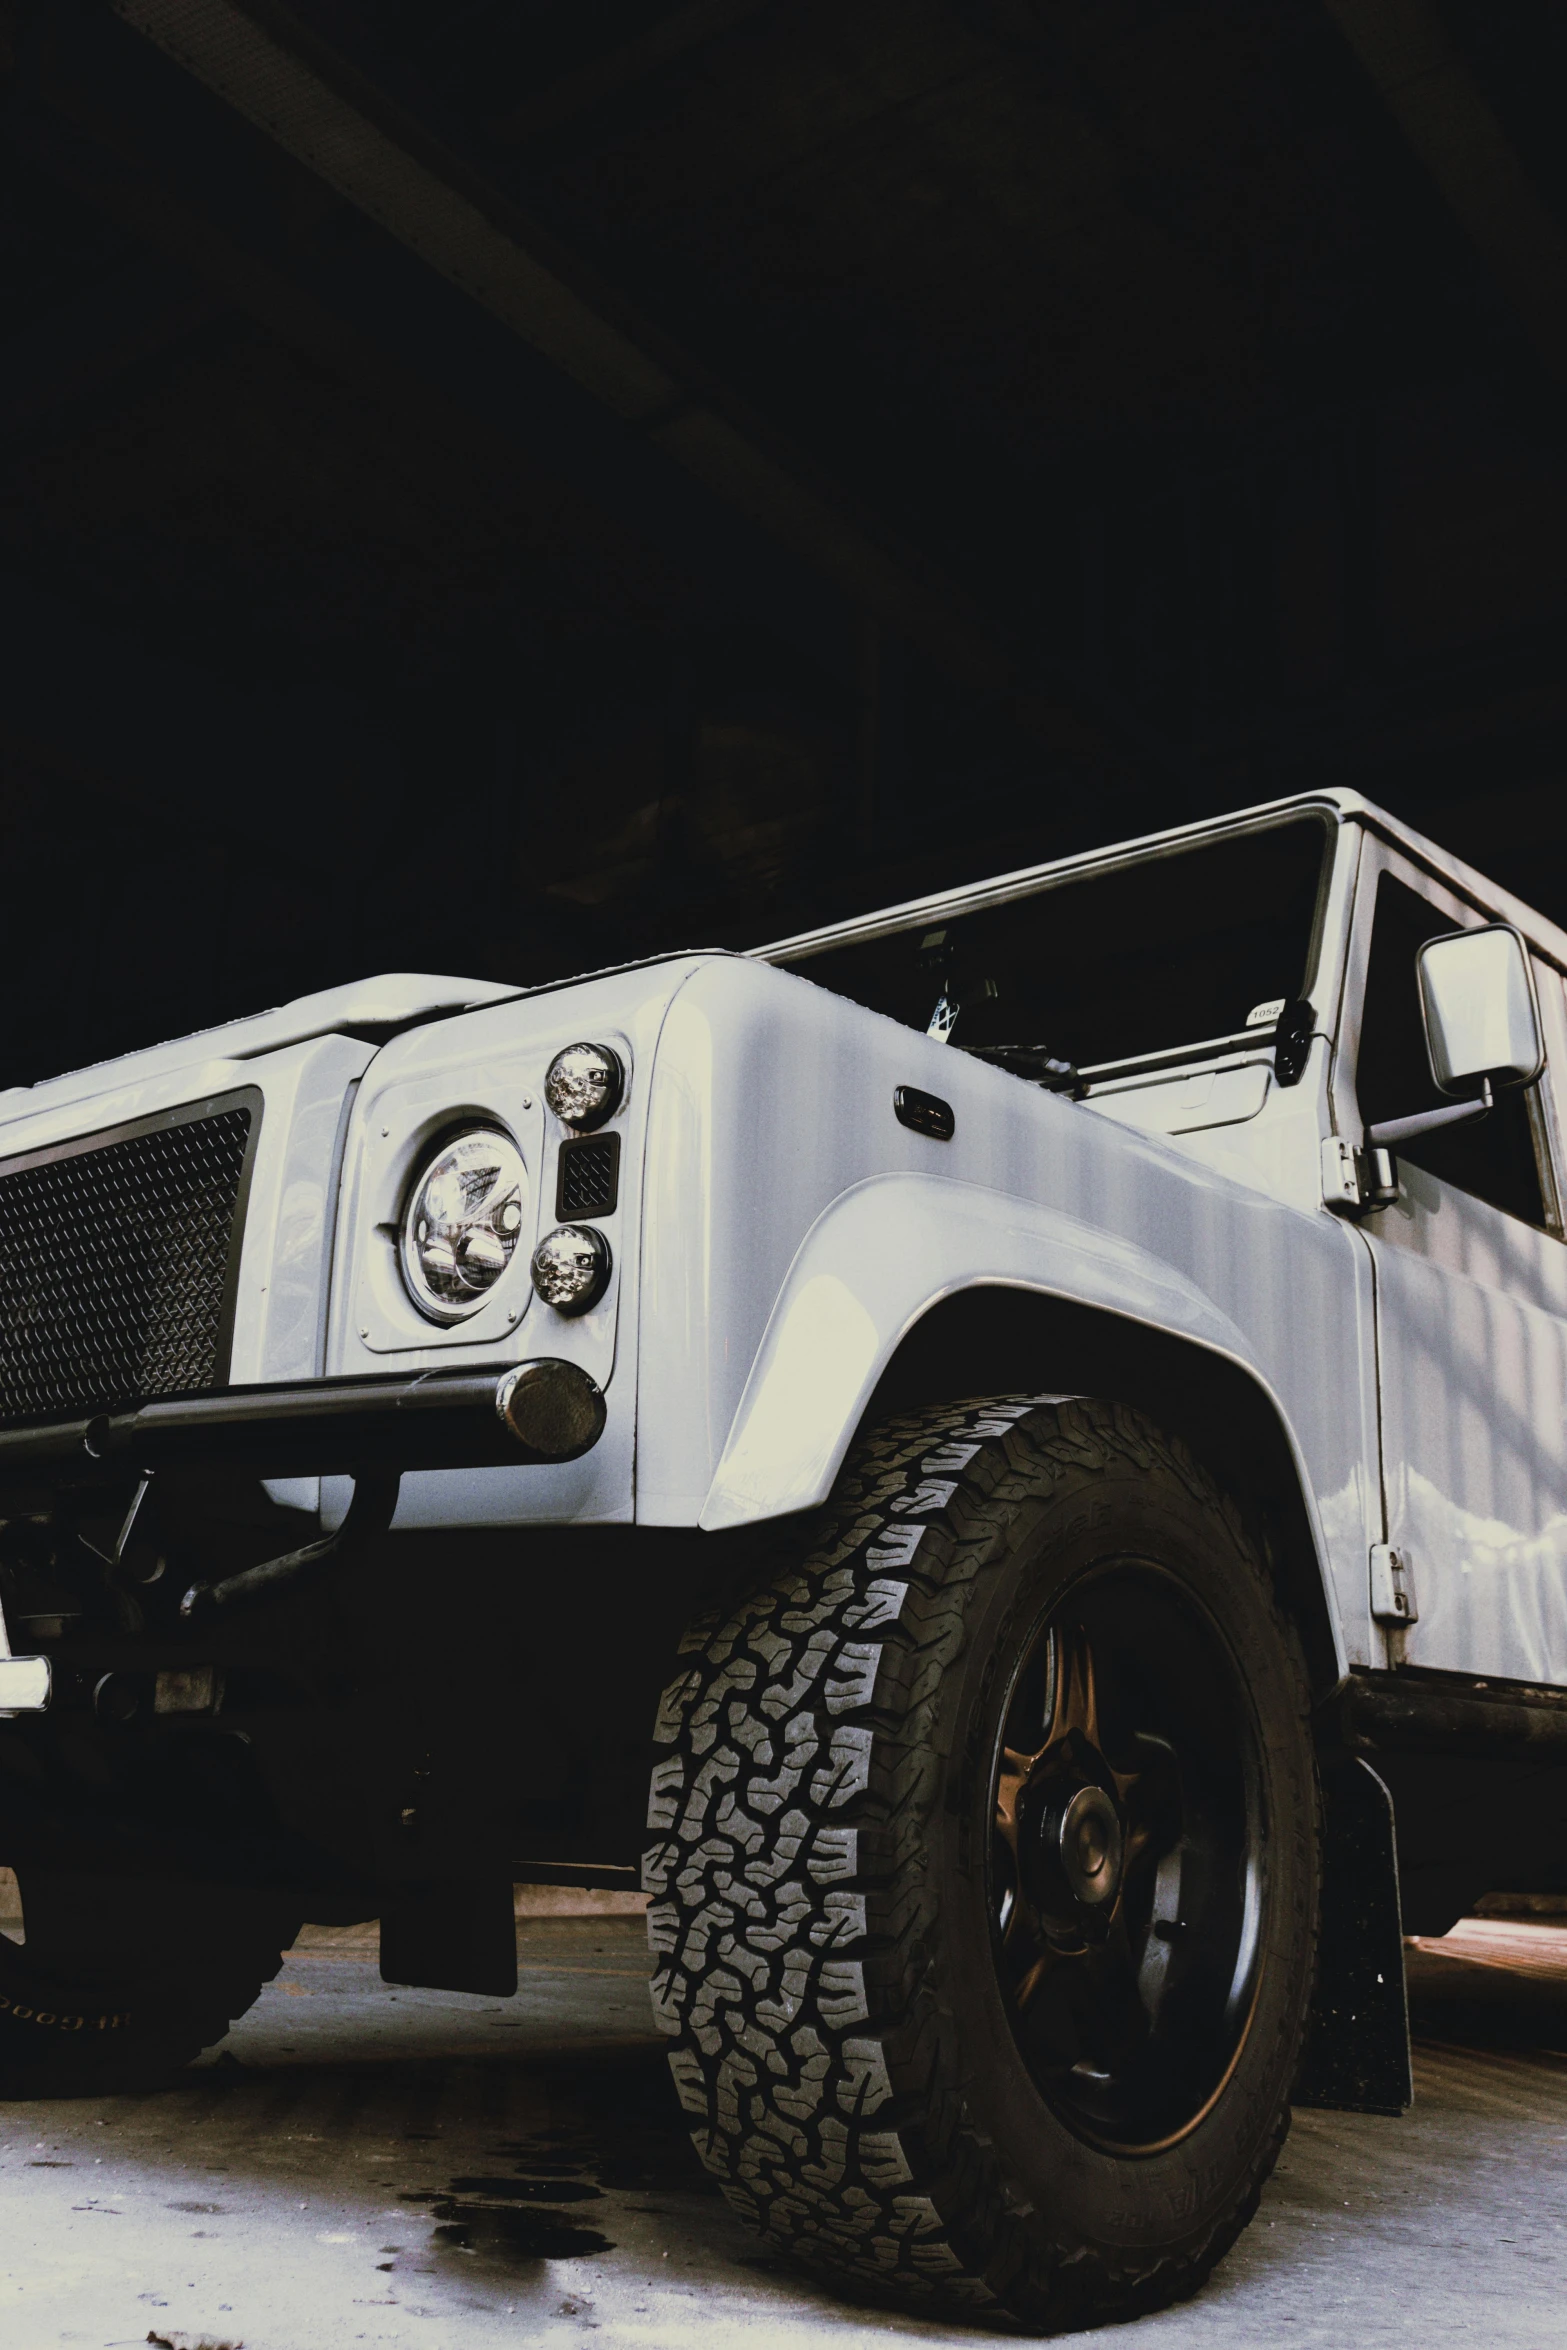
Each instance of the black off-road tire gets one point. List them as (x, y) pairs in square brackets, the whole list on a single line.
[(118, 1982), (821, 1928)]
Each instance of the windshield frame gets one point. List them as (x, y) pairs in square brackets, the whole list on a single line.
[(1039, 881)]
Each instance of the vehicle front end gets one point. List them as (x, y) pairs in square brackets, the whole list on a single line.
[(317, 1443)]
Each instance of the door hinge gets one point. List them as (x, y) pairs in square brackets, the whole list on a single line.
[(1392, 1586), (1354, 1182)]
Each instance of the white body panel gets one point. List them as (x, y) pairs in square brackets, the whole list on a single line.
[(778, 1232), (1472, 1329), (825, 1228), (387, 1002), (488, 1067)]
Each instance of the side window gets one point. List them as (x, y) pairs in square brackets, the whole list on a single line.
[(1494, 1159)]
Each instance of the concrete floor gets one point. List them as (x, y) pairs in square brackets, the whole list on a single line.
[(360, 2165)]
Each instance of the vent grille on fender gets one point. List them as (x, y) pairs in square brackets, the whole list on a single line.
[(589, 1180), (115, 1261)]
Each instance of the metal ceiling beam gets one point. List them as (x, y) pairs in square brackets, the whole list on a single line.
[(312, 105), (103, 113), (583, 87), (504, 265), (1449, 123), (465, 447)]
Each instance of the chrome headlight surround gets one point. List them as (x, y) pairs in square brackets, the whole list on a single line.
[(465, 1213)]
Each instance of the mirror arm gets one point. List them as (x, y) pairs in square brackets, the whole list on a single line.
[(1394, 1131)]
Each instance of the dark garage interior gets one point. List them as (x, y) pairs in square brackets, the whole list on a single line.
[(506, 488), (509, 488)]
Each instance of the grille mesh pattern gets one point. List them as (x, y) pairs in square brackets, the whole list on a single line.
[(113, 1268), (589, 1176)]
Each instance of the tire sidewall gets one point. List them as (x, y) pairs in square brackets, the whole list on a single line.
[(168, 1968), (48, 2025), (1121, 1511)]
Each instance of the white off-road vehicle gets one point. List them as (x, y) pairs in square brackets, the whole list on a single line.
[(1004, 1406)]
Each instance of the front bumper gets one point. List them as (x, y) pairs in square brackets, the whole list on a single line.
[(539, 1411), (370, 1429)]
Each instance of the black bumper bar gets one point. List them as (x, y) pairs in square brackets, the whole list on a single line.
[(540, 1411)]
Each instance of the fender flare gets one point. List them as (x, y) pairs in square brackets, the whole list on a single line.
[(876, 1260)]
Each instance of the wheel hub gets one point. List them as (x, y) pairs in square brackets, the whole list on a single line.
[(1071, 1844), (1126, 1858), (1089, 1845)]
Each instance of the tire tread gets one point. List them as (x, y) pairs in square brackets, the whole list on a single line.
[(792, 1962)]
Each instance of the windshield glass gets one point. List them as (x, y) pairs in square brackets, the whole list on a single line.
[(1120, 964)]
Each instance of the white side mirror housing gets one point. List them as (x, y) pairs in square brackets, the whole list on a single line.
[(1482, 1021)]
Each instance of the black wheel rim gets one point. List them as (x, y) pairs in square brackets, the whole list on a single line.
[(1127, 1875)]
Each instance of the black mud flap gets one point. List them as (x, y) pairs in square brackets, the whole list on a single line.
[(455, 1934), (1357, 2042)]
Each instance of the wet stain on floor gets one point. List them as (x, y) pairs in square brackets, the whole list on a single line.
[(530, 2190), (499, 2217), (515, 2216), (626, 2138), (261, 2201)]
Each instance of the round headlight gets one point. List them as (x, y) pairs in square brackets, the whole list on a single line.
[(583, 1084), (463, 1222), (571, 1268)]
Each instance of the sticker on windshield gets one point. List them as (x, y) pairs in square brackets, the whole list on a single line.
[(1262, 1015)]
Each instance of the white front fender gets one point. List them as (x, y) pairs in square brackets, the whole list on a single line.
[(871, 1265)]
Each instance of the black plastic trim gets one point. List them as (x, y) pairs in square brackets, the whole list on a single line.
[(1356, 2058), (439, 1419), (924, 1113), (605, 1147), (1450, 1713), (244, 1097)]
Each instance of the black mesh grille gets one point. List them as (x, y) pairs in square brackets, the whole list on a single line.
[(114, 1268), (589, 1176)]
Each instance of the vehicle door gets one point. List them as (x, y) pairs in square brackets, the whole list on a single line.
[(1471, 1309)]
